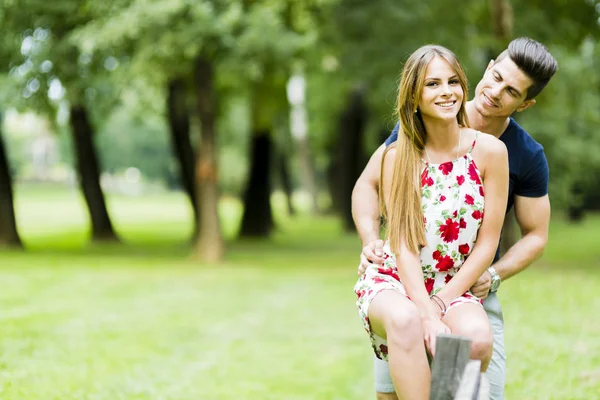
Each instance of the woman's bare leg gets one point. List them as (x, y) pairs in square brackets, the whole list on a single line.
[(397, 319), (470, 320)]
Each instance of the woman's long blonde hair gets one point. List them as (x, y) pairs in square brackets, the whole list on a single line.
[(405, 217)]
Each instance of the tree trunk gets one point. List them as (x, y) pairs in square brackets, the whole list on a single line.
[(502, 22), (89, 175), (286, 182), (179, 122), (258, 219), (209, 245), (9, 236), (350, 157)]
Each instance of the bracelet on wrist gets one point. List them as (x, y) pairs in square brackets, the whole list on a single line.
[(437, 300)]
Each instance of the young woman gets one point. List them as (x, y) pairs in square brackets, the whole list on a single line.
[(437, 180)]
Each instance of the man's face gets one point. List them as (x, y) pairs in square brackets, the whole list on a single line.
[(502, 90)]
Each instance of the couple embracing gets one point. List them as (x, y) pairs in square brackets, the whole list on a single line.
[(443, 181)]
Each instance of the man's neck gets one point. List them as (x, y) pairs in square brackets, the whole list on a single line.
[(492, 125)]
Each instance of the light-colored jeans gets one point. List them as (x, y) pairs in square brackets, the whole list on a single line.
[(496, 372)]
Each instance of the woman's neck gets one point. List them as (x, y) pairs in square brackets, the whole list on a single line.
[(442, 136)]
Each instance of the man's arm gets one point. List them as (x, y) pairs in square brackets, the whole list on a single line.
[(365, 199), (365, 211), (533, 218)]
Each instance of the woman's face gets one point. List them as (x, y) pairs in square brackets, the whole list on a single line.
[(442, 94)]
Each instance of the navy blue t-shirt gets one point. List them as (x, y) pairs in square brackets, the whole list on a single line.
[(527, 164)]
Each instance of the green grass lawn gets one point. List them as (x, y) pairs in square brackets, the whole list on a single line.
[(275, 320)]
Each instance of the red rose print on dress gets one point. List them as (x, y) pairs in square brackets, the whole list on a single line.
[(469, 199), (388, 272), (464, 249), (442, 198), (429, 284), (446, 167), (436, 255), (462, 223), (447, 278), (450, 230), (473, 174), (460, 179), (426, 180), (444, 264), (481, 191), (477, 214)]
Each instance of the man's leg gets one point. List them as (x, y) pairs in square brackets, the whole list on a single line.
[(383, 381), (496, 372)]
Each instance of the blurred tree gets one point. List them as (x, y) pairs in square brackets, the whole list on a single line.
[(49, 61), (9, 237), (276, 34), (565, 118), (179, 123), (89, 173), (349, 158), (166, 41), (566, 126), (242, 47), (209, 245)]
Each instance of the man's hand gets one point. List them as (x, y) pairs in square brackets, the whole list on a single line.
[(481, 288), (372, 253)]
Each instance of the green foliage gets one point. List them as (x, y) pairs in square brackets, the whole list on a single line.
[(109, 54), (124, 142), (565, 122)]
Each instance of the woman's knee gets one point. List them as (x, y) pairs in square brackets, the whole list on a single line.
[(404, 325), (482, 339)]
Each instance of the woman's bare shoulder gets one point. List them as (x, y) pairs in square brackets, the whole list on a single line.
[(491, 145), (389, 154)]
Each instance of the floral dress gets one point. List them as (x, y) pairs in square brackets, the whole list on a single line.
[(452, 202)]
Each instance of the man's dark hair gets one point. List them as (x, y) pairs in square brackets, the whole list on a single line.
[(534, 59)]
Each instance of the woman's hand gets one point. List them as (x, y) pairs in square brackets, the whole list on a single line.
[(432, 326)]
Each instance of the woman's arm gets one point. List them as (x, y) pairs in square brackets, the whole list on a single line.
[(496, 195)]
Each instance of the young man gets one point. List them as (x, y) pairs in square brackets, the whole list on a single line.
[(509, 84)]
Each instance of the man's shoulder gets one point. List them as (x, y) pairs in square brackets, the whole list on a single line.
[(527, 162), (519, 141), (394, 135)]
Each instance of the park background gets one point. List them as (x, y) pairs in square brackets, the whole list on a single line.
[(175, 181)]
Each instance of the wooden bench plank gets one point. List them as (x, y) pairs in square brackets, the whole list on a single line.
[(452, 353), (470, 383)]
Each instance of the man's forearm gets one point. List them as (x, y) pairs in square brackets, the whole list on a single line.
[(524, 252), (365, 212)]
